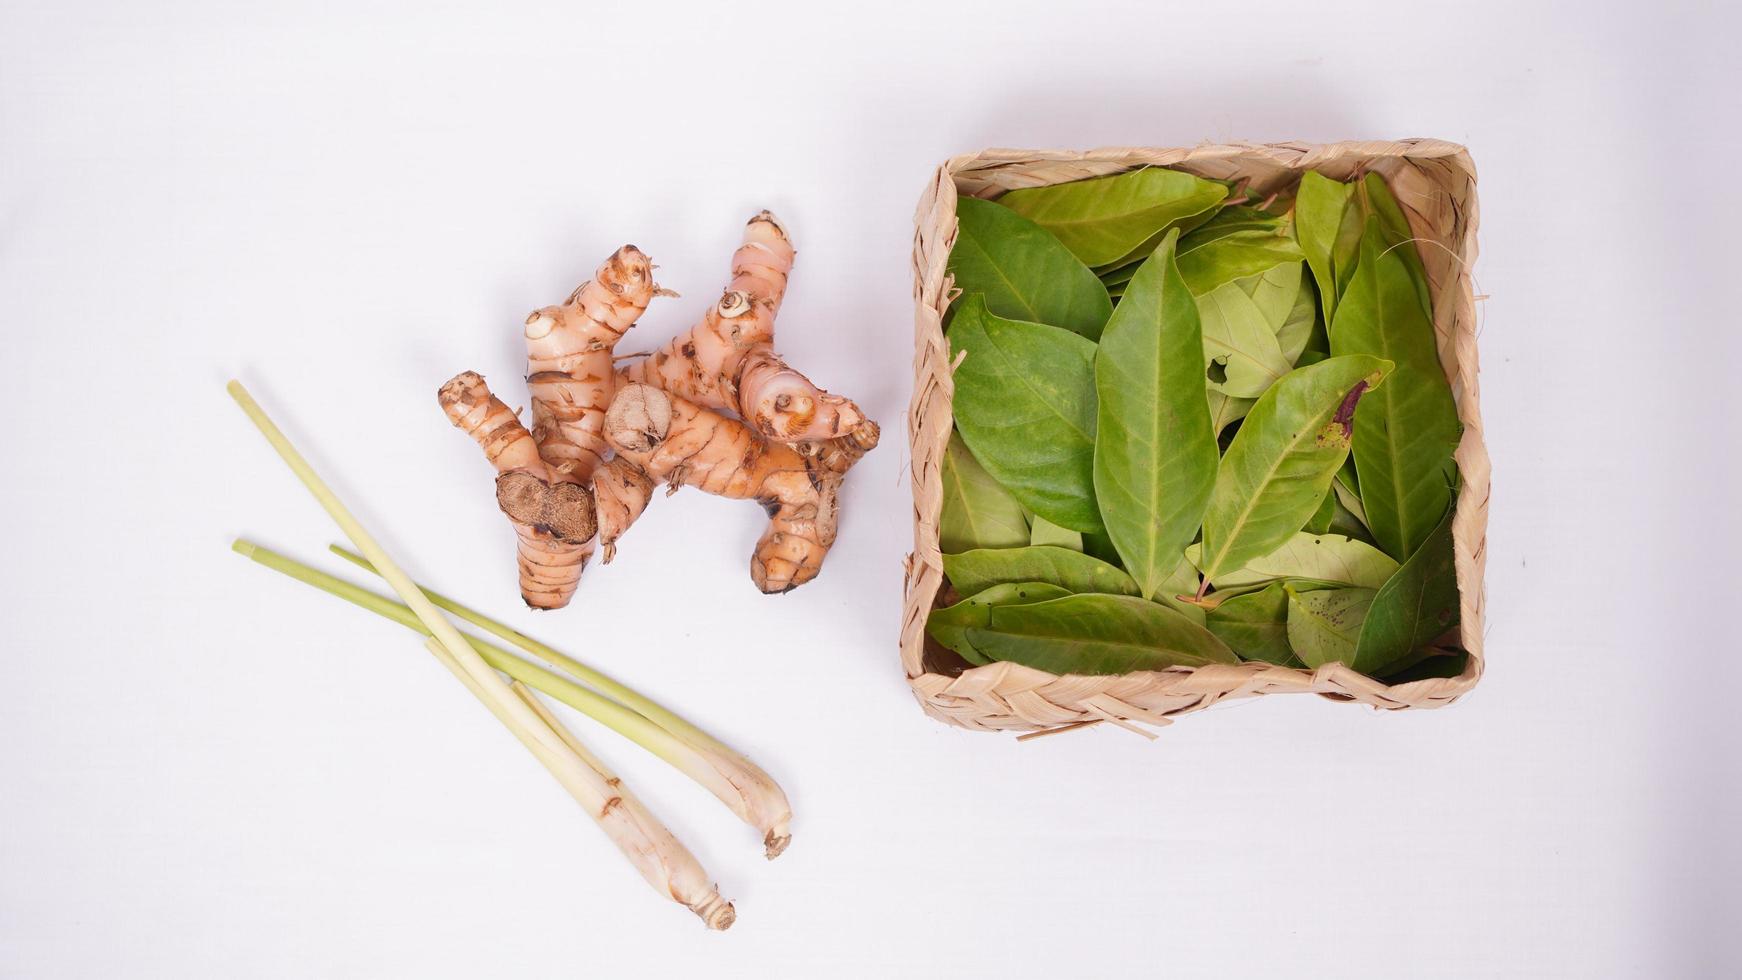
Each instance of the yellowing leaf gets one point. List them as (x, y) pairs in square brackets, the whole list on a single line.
[(1323, 626), (1240, 343)]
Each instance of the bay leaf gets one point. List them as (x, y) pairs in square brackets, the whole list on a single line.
[(1108, 221), (1044, 532), (1414, 607), (1323, 557), (977, 511), (1346, 523), (1328, 229), (1025, 405), (1276, 291), (1406, 432), (1255, 625), (1226, 410), (949, 625), (1101, 546), (1282, 460), (1295, 333), (1320, 522), (1182, 581), (1323, 625), (1448, 664), (1023, 271), (1097, 634), (1236, 243), (1375, 200), (1155, 452), (1347, 488), (1117, 278), (1240, 342), (976, 571)]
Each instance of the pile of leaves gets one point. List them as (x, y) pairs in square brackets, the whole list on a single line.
[(1195, 427)]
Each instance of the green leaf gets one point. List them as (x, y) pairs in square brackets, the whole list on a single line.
[(1323, 625), (1155, 452), (977, 511), (1276, 291), (1239, 341), (1097, 634), (1414, 607), (1347, 488), (1044, 532), (1236, 243), (1108, 221), (1322, 557), (1329, 232), (949, 625), (1346, 522), (1376, 201), (1320, 522), (1023, 271), (1282, 460), (1406, 433), (1025, 404), (975, 571), (1183, 581), (1117, 278), (1101, 546), (1255, 625), (1294, 333), (1225, 410), (1448, 664)]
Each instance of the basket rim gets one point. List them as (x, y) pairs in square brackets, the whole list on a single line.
[(991, 170)]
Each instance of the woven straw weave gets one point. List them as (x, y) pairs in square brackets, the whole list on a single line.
[(1435, 182)]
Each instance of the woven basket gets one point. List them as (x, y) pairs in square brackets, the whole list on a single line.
[(1435, 182)]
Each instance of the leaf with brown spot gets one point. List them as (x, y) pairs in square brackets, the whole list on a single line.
[(1282, 460)]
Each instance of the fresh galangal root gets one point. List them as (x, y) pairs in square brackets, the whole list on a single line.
[(680, 443), (554, 521), (602, 438)]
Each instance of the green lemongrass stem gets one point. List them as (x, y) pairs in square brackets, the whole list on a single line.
[(549, 717), (681, 755), (748, 790), (662, 858), (581, 781)]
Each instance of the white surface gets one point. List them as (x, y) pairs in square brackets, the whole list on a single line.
[(207, 770)]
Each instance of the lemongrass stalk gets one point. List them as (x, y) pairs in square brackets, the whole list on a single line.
[(581, 781), (632, 803), (753, 794), (660, 857), (630, 724)]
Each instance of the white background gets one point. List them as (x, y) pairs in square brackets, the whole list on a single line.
[(207, 770)]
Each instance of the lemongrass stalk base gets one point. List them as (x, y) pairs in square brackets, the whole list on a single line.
[(661, 859), (740, 783)]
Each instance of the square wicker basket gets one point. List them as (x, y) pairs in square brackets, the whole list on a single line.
[(1435, 182)]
